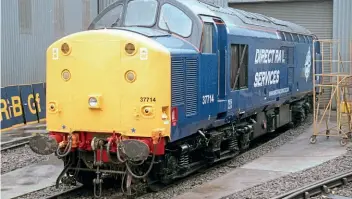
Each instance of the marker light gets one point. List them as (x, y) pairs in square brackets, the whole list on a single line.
[(93, 102), (65, 49), (130, 76), (130, 49), (66, 75)]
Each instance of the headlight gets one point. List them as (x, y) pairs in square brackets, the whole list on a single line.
[(93, 102)]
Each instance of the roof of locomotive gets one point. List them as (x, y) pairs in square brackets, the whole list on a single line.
[(240, 18)]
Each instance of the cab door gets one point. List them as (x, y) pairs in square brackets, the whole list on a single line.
[(213, 59), (221, 54)]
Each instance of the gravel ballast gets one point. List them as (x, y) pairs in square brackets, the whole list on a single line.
[(296, 180), (45, 193), (16, 158)]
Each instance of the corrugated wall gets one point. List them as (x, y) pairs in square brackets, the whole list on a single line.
[(342, 28), (29, 26), (314, 15), (222, 3), (104, 3)]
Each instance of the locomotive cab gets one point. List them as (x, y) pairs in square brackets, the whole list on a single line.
[(169, 16)]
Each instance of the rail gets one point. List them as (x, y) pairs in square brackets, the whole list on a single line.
[(15, 143), (65, 193), (319, 187)]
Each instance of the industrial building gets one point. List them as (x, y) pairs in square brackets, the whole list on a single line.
[(28, 27), (328, 19)]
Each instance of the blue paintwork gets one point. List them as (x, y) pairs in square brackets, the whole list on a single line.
[(6, 120), (39, 92), (292, 76), (28, 103), (14, 104)]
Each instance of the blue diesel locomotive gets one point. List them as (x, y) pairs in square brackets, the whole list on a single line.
[(233, 76)]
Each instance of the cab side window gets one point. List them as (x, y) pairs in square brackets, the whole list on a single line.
[(239, 66), (207, 38)]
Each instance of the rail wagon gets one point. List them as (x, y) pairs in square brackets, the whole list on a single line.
[(156, 89)]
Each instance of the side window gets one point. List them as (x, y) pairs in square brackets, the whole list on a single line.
[(111, 18), (207, 40), (239, 66), (174, 19)]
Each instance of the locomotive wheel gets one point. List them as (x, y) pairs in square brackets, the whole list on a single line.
[(86, 178)]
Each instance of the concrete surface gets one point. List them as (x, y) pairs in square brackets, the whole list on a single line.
[(22, 132), (294, 156), (30, 178)]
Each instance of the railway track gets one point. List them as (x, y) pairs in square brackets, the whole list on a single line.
[(15, 143), (320, 187), (66, 193)]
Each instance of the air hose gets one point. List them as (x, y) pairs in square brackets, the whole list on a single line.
[(120, 160), (149, 169), (67, 148), (117, 154)]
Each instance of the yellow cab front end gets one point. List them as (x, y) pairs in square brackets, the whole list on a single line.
[(108, 81)]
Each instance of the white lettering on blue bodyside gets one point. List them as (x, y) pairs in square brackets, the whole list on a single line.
[(279, 91), (269, 56), (207, 99), (265, 78)]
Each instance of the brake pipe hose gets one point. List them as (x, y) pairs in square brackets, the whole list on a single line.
[(109, 156), (67, 148), (149, 169), (118, 152)]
